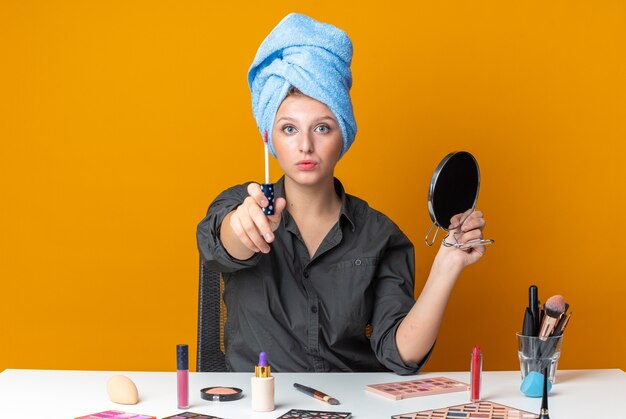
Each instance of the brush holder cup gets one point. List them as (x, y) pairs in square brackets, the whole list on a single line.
[(536, 354)]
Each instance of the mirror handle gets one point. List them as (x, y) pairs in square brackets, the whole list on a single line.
[(428, 234)]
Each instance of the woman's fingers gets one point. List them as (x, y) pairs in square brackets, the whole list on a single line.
[(470, 235), (472, 232), (252, 226), (457, 219), (252, 232), (262, 228), (279, 206), (255, 229), (235, 224), (255, 191), (474, 222)]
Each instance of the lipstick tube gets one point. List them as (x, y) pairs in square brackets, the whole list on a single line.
[(182, 375), (476, 369)]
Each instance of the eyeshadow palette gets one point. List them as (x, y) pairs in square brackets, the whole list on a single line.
[(486, 410), (116, 414), (314, 414), (398, 390), (188, 415)]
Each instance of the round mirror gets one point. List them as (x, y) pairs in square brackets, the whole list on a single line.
[(454, 190)]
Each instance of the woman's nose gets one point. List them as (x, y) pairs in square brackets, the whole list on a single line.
[(306, 142)]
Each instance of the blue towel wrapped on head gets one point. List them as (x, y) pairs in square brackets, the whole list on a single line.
[(312, 56)]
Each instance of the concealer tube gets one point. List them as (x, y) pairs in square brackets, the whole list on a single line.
[(262, 386)]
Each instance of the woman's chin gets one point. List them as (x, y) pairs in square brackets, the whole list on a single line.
[(308, 178)]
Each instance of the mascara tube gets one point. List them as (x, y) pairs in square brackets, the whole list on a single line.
[(476, 369), (182, 375)]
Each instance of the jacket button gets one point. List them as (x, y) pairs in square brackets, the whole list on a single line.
[(305, 273), (314, 309), (358, 262)]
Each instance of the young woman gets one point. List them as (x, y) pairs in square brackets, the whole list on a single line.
[(306, 283)]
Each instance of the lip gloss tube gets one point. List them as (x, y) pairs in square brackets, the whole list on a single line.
[(268, 191), (476, 369), (267, 187), (182, 375)]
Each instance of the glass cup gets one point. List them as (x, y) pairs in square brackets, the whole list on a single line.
[(536, 354)]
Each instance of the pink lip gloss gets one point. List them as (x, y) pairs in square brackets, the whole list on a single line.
[(182, 375)]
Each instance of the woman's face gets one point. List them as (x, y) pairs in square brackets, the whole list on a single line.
[(307, 140)]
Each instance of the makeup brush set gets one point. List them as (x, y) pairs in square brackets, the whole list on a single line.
[(542, 330)]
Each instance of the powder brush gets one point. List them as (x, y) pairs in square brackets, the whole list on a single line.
[(554, 309)]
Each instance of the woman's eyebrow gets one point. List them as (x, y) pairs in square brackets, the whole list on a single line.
[(288, 118), (315, 121), (326, 117)]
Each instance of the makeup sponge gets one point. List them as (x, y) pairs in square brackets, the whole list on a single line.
[(122, 390), (532, 386)]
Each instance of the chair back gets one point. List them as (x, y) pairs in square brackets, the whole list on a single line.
[(211, 319)]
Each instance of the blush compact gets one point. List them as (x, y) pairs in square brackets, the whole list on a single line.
[(221, 394)]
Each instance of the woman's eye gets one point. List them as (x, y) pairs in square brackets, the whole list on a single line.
[(322, 129), (288, 129)]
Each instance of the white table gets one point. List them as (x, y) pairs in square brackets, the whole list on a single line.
[(50, 394)]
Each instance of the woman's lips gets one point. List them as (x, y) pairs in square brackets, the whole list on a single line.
[(306, 165)]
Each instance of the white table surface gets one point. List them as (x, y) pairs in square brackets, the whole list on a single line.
[(51, 394)]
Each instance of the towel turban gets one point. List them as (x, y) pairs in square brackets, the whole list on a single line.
[(312, 56)]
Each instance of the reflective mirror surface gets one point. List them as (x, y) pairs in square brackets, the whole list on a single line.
[(454, 190)]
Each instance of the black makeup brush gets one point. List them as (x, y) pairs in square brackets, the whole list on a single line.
[(559, 324), (533, 305), (560, 327), (543, 413), (554, 308)]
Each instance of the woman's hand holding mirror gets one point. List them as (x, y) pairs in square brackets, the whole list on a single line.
[(466, 231), (463, 245)]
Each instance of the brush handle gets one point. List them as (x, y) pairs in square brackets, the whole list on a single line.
[(268, 191), (543, 413)]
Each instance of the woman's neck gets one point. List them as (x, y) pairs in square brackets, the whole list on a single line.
[(319, 200)]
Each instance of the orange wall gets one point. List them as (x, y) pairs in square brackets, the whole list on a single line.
[(120, 121)]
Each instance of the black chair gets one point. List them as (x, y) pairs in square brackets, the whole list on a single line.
[(211, 319)]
